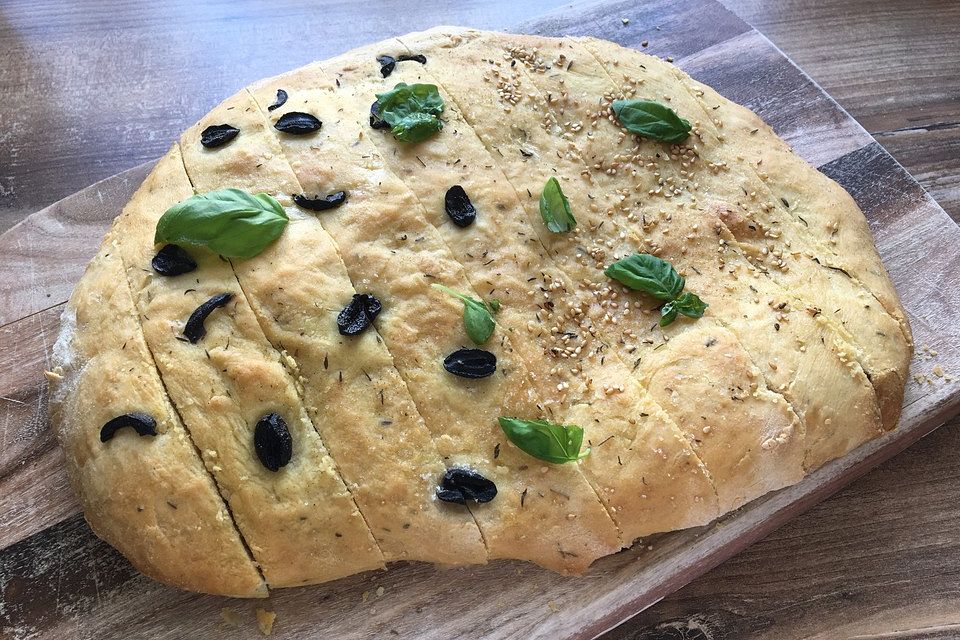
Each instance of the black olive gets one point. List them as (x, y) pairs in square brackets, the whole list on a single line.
[(217, 135), (281, 100), (459, 207), (297, 123), (322, 203), (471, 363), (459, 485), (375, 120), (417, 57), (172, 260), (141, 422), (194, 329), (273, 443), (357, 316), (387, 65)]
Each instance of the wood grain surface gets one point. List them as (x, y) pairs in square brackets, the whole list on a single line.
[(858, 568)]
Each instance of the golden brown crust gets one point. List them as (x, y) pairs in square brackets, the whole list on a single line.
[(638, 451), (779, 223), (350, 385), (801, 356), (149, 497), (391, 251), (300, 522)]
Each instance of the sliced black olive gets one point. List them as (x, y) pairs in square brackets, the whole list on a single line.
[(217, 135), (297, 123), (471, 363), (194, 329), (143, 424), (375, 120), (173, 260), (387, 65), (459, 485), (322, 203), (281, 100), (357, 316), (417, 57), (273, 443), (459, 207)]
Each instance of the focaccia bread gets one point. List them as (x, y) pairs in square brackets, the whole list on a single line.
[(320, 409)]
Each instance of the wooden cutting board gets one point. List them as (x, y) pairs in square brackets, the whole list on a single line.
[(58, 581)]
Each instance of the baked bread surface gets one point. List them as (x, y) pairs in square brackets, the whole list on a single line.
[(800, 357)]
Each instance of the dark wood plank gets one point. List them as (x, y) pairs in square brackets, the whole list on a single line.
[(34, 492), (671, 28), (800, 113), (890, 66), (895, 576)]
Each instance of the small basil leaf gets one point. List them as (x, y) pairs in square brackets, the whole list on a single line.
[(556, 443), (416, 127), (651, 120), (411, 110), (555, 209), (668, 313), (690, 305), (647, 273), (230, 222), (477, 319)]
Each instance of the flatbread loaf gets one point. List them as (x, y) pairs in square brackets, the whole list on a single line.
[(320, 409)]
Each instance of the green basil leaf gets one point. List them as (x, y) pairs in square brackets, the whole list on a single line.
[(412, 111), (556, 443), (477, 319), (668, 313), (416, 127), (651, 120), (555, 209), (690, 305), (649, 274), (231, 222)]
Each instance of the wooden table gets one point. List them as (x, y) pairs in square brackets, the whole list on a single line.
[(91, 90)]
